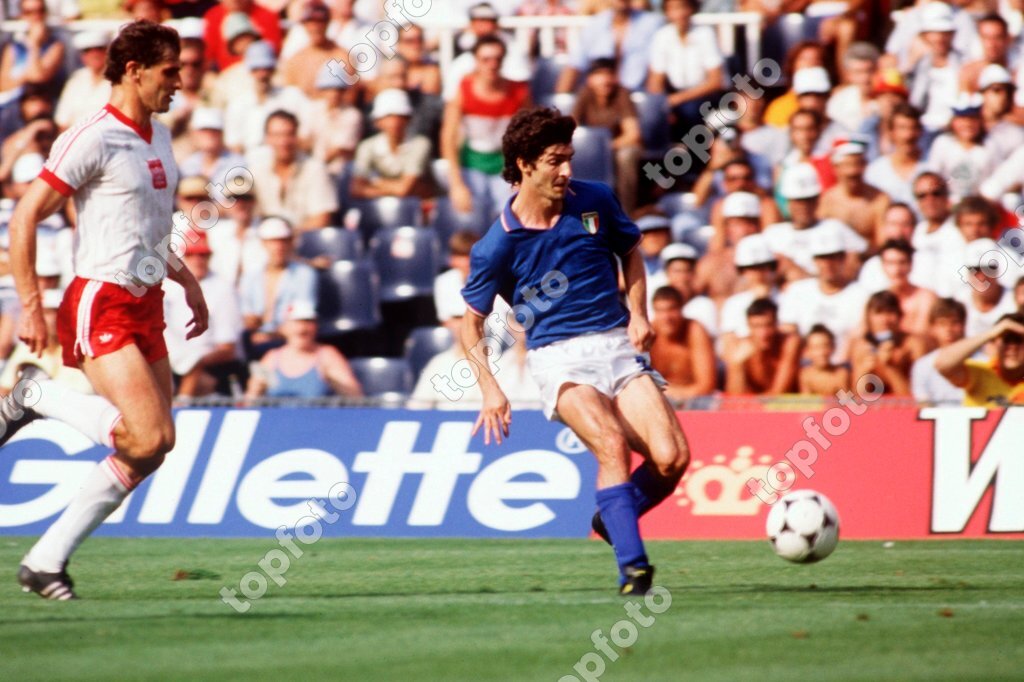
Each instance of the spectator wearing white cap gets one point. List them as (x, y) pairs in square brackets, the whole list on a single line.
[(852, 200), (828, 299), (86, 90), (791, 241), (203, 365), (679, 271), (655, 235), (812, 87), (961, 154), (995, 41), (716, 272), (988, 296), (392, 162), (21, 151), (301, 367), (291, 183), (302, 68), (894, 173), (730, 171), (758, 270), (935, 77), (339, 123), (1003, 133), (50, 361), (905, 45), (805, 129), (212, 159), (268, 293), (266, 21), (246, 115)]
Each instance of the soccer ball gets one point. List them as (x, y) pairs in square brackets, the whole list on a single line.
[(803, 526)]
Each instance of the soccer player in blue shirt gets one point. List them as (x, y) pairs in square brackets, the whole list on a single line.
[(553, 255)]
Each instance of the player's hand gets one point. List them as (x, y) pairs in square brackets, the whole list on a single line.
[(32, 331), (200, 314), (495, 417), (640, 333), (462, 198)]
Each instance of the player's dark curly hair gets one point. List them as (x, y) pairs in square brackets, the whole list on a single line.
[(141, 41), (530, 132)]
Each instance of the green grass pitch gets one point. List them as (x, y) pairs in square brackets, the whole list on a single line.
[(452, 610)]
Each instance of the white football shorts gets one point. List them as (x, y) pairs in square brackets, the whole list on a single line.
[(605, 360)]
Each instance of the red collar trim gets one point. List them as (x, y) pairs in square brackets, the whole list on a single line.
[(145, 133)]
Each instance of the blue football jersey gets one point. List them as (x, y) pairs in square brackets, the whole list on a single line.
[(561, 282)]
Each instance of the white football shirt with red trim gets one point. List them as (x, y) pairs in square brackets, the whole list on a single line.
[(122, 179)]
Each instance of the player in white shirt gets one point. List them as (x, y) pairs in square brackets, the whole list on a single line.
[(118, 169)]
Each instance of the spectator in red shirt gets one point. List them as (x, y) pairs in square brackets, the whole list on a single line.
[(265, 21)]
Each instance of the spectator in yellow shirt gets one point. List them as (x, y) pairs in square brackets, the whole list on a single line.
[(996, 382)]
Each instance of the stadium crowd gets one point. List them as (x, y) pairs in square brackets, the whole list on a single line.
[(856, 215)]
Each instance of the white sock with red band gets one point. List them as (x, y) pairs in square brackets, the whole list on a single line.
[(102, 492), (93, 415)]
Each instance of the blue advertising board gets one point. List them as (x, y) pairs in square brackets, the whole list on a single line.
[(246, 472)]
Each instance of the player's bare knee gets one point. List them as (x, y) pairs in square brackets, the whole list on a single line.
[(671, 460)]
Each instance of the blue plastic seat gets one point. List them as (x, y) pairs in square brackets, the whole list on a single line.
[(349, 298), (593, 159), (407, 259), (333, 242), (383, 377), (424, 343)]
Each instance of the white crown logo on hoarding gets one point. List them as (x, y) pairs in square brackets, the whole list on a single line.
[(719, 488)]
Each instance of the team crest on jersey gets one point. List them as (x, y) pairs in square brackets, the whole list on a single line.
[(590, 222), (156, 169)]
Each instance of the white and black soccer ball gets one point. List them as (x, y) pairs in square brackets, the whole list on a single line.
[(803, 526)]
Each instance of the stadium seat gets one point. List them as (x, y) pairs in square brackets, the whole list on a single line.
[(408, 259), (333, 242), (387, 212), (445, 221), (424, 343), (652, 111), (349, 297), (565, 102), (439, 169), (593, 160), (545, 76), (383, 377)]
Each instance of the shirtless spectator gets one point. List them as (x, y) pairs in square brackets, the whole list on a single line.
[(302, 68), (995, 39), (884, 350), (682, 350), (852, 200), (916, 302), (765, 363), (821, 376), (679, 271)]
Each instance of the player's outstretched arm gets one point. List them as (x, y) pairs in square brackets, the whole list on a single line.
[(38, 203), (178, 272), (496, 412)]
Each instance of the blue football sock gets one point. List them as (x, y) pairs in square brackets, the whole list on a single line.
[(650, 489), (618, 511)]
